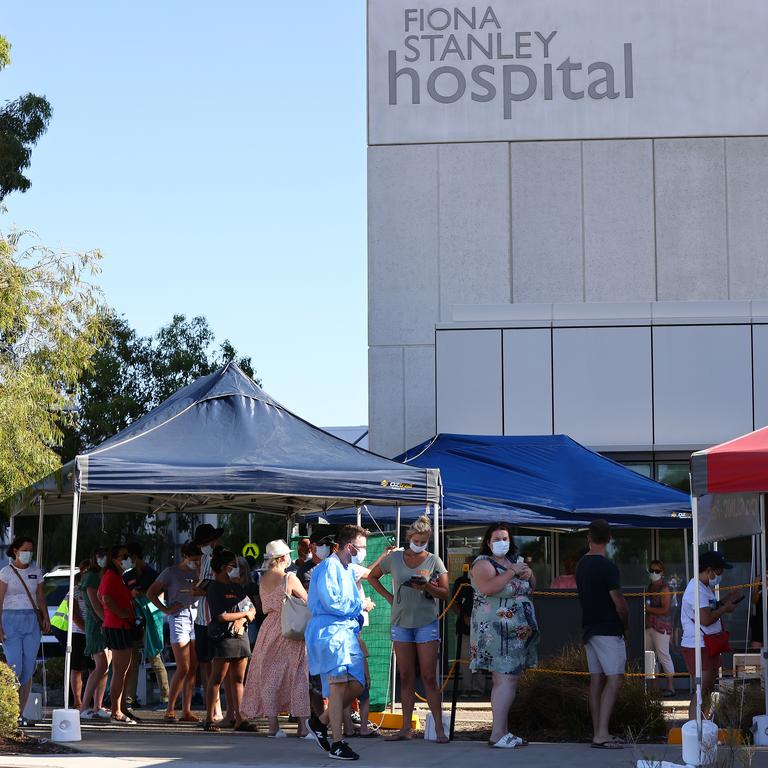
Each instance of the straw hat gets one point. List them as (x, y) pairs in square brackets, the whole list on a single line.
[(276, 548)]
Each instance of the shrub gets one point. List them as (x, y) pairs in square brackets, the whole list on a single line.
[(736, 708), (553, 707), (9, 702)]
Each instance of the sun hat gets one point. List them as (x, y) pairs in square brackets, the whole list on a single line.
[(276, 548)]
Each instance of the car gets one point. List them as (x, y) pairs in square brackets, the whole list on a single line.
[(56, 586)]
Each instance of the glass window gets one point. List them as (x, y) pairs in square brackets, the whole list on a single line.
[(571, 546), (672, 554), (644, 468), (631, 551), (675, 474), (534, 547)]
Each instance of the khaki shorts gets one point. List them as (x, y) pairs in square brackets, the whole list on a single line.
[(606, 654)]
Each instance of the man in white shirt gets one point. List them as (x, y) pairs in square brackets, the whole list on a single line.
[(711, 567)]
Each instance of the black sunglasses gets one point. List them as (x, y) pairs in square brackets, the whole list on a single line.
[(654, 570)]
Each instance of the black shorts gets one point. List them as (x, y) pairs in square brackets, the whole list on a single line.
[(79, 661), (203, 649), (117, 639), (231, 648)]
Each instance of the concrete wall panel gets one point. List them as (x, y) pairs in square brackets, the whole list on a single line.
[(402, 245), (619, 237), (690, 219), (419, 394), (386, 401), (547, 252)]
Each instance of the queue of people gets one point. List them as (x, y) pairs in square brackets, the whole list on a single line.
[(309, 658)]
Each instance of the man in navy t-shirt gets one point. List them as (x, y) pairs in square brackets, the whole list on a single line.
[(604, 621)]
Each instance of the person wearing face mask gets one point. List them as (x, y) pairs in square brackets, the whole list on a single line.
[(333, 649), (303, 555), (207, 538), (658, 622), (504, 634), (93, 697), (230, 612), (605, 626), (138, 578), (119, 616), (277, 677), (180, 606), (419, 581), (23, 614), (320, 548), (711, 566)]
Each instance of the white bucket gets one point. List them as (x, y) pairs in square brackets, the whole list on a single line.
[(760, 730), (66, 725), (658, 764), (429, 726), (34, 709), (691, 754)]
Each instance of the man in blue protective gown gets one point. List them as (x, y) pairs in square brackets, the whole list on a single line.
[(333, 650)]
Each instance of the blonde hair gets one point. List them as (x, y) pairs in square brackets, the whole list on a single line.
[(420, 527)]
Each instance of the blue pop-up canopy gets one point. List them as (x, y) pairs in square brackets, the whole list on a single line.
[(223, 442), (541, 481)]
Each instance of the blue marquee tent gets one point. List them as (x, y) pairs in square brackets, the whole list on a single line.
[(223, 443), (541, 481)]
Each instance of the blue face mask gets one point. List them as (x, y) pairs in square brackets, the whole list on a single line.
[(715, 580)]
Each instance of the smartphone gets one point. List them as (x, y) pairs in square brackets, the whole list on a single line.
[(417, 580)]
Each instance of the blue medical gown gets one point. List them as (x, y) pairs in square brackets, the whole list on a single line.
[(331, 636)]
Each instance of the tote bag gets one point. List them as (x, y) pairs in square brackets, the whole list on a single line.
[(294, 616)]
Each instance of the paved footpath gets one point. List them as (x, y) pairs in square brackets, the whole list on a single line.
[(120, 747)]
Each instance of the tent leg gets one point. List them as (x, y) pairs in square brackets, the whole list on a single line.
[(394, 658), (358, 516), (764, 597), (39, 558), (456, 676), (72, 561), (697, 615)]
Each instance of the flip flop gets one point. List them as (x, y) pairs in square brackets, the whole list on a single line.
[(606, 745), (189, 719), (170, 717)]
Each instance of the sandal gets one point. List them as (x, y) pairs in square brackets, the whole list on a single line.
[(209, 725), (246, 727), (190, 718), (170, 717)]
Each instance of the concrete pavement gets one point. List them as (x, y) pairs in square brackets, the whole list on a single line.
[(139, 747)]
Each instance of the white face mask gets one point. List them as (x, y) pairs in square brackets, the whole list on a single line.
[(417, 547), (500, 548), (359, 557), (25, 558), (234, 573), (207, 549), (192, 565), (655, 577), (323, 551), (715, 580), (127, 564), (101, 561)]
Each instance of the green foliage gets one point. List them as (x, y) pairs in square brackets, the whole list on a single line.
[(50, 325), (552, 707), (736, 708), (22, 122), (9, 702)]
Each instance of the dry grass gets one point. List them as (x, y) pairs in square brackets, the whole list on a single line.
[(551, 707)]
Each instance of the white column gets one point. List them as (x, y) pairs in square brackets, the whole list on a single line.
[(697, 613), (394, 660), (764, 597), (72, 566)]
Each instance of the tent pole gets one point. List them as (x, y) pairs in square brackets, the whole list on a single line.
[(39, 545), (72, 559), (358, 516), (687, 563), (764, 597), (697, 615), (394, 658), (11, 527)]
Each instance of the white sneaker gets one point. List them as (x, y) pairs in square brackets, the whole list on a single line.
[(510, 741), (281, 734), (87, 714), (102, 714)]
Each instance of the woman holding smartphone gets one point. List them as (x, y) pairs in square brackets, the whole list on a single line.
[(419, 582)]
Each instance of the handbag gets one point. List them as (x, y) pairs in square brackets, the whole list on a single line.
[(717, 643), (294, 616), (38, 615)]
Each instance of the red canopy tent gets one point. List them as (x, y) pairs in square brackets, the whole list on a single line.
[(728, 486)]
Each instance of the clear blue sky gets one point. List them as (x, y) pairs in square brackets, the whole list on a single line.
[(215, 153)]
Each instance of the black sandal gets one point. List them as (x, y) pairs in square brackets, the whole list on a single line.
[(247, 727), (209, 725)]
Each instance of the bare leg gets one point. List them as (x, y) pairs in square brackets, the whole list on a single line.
[(502, 697), (707, 684), (427, 653), (236, 676), (101, 685), (188, 690), (96, 679), (121, 662), (76, 684), (341, 696), (405, 653), (181, 655), (607, 700), (217, 672), (596, 685)]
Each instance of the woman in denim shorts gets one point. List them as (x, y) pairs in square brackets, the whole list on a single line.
[(177, 584), (419, 582)]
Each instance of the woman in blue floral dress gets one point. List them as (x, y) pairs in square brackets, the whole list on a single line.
[(504, 635)]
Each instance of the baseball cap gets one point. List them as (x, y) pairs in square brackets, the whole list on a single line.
[(713, 560)]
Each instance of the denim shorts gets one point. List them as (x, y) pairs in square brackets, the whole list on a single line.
[(181, 627), (427, 634)]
